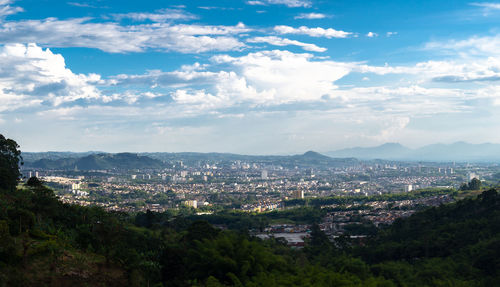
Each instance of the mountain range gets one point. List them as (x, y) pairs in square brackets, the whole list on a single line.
[(459, 151), (98, 161), (128, 161)]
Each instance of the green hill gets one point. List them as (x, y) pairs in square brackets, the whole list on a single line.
[(122, 161)]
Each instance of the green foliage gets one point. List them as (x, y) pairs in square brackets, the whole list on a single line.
[(34, 182), (474, 184), (10, 159), (344, 200)]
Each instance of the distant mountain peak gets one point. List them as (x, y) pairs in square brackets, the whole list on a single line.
[(391, 145), (458, 151), (312, 153)]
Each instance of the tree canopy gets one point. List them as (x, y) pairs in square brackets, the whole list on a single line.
[(10, 159)]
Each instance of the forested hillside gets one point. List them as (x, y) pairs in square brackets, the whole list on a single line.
[(44, 242)]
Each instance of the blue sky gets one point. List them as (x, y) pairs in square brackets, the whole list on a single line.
[(254, 77)]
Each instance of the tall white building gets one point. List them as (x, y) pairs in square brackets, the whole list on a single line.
[(408, 188), (263, 174), (191, 203), (75, 187)]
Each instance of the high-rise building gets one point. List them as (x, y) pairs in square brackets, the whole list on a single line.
[(408, 188), (75, 186), (298, 194), (191, 203), (263, 174)]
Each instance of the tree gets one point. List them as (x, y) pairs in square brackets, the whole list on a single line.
[(34, 182), (475, 184), (10, 158)]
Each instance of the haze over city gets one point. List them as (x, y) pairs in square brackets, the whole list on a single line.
[(253, 77)]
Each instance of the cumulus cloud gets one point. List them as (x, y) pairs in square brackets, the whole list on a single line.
[(31, 76), (371, 34), (286, 76), (310, 16), (114, 38), (313, 32), (277, 41), (261, 78), (288, 3)]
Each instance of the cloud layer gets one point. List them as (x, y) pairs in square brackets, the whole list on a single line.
[(288, 87)]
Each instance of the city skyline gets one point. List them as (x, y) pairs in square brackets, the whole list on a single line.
[(248, 77)]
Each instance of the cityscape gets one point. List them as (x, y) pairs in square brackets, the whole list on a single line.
[(374, 190)]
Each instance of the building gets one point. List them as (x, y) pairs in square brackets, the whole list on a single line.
[(298, 194), (191, 203), (263, 175), (408, 188), (75, 187)]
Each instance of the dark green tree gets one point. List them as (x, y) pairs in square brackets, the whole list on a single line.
[(10, 159), (475, 184), (34, 182)]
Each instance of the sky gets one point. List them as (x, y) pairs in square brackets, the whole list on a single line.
[(249, 76)]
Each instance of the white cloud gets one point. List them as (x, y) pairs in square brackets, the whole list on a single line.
[(163, 15), (390, 34), (474, 46), (288, 3), (33, 75), (310, 16), (256, 79), (187, 75), (276, 41), (488, 5), (313, 32), (81, 5), (6, 9), (30, 76), (371, 35), (287, 77), (114, 38)]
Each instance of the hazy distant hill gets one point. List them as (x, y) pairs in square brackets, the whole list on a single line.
[(386, 151), (99, 162), (308, 159), (156, 160), (34, 156), (459, 151)]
